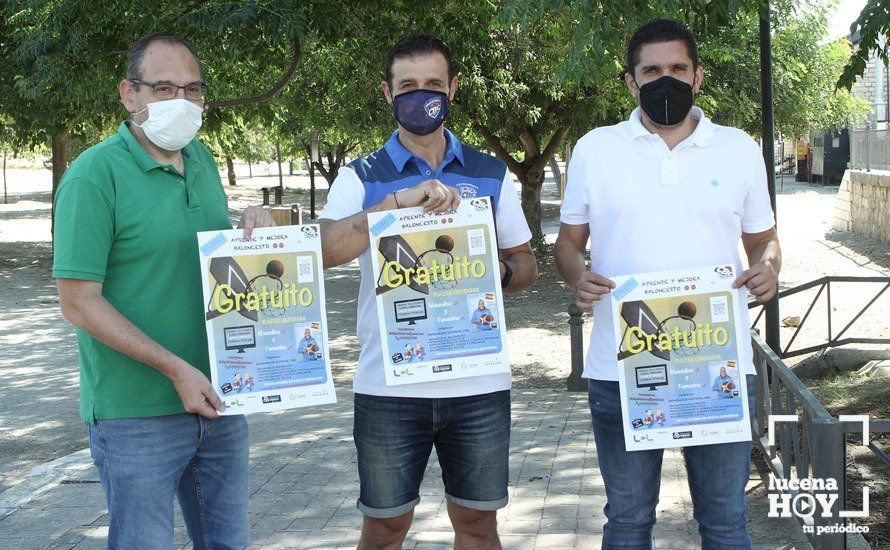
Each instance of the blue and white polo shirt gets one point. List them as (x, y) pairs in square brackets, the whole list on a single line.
[(365, 182)]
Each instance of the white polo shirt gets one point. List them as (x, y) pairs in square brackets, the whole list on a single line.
[(651, 208)]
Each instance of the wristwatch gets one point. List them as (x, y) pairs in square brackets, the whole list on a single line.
[(508, 274)]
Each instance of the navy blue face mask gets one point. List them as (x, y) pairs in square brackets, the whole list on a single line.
[(421, 112)]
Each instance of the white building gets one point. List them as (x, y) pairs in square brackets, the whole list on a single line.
[(874, 87)]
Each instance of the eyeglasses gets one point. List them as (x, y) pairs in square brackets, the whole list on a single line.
[(167, 90)]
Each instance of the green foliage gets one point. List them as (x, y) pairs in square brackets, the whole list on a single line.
[(598, 30), (805, 68), (532, 73), (873, 26), (63, 59), (336, 93)]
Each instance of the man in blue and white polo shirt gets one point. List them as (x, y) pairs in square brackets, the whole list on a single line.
[(467, 419)]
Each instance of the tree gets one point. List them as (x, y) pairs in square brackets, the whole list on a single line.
[(551, 69), (338, 95), (805, 68), (509, 98), (6, 137), (63, 62), (521, 110)]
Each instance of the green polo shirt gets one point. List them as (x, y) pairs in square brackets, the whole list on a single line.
[(128, 222)]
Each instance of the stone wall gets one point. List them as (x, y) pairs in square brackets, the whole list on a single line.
[(864, 87), (863, 204)]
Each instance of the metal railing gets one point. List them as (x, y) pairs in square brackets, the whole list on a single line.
[(870, 149), (813, 447), (833, 340)]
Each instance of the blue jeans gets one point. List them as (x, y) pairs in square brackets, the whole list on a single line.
[(717, 478), (394, 437), (144, 462)]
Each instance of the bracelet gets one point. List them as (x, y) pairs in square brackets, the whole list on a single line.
[(508, 274), (396, 199)]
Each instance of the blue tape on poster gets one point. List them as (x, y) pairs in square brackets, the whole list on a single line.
[(625, 289), (381, 225), (213, 244)]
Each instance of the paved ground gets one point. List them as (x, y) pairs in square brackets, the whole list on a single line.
[(304, 486), (61, 505)]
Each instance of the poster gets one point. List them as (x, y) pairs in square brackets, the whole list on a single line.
[(438, 292), (265, 315), (678, 335)]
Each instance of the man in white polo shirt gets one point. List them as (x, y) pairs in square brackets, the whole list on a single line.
[(466, 419), (666, 189)]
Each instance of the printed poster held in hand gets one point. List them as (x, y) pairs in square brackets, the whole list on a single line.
[(265, 314), (678, 335), (438, 294)]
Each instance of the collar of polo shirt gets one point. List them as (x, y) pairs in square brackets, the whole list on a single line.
[(140, 155), (400, 155), (701, 136)]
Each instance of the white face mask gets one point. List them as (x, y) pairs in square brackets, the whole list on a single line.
[(171, 123)]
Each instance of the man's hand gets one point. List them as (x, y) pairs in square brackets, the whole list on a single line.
[(253, 217), (762, 280), (196, 393), (432, 195), (590, 288)]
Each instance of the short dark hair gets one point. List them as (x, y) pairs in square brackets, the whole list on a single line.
[(654, 32), (416, 45), (137, 52)]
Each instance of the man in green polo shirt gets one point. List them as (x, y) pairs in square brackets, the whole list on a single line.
[(126, 216)]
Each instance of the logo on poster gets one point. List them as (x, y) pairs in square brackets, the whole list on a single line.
[(480, 203)]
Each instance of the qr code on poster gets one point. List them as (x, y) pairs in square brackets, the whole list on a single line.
[(304, 270), (476, 241), (719, 309)]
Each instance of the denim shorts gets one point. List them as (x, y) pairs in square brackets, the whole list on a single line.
[(394, 437)]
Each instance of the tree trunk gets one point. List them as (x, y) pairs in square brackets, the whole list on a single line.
[(59, 158), (530, 172), (568, 159), (557, 175), (60, 164), (280, 174), (290, 167), (5, 196), (230, 169), (531, 182), (249, 169), (331, 168)]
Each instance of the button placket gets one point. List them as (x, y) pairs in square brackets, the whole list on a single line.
[(669, 171)]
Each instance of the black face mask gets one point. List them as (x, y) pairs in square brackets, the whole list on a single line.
[(666, 101)]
